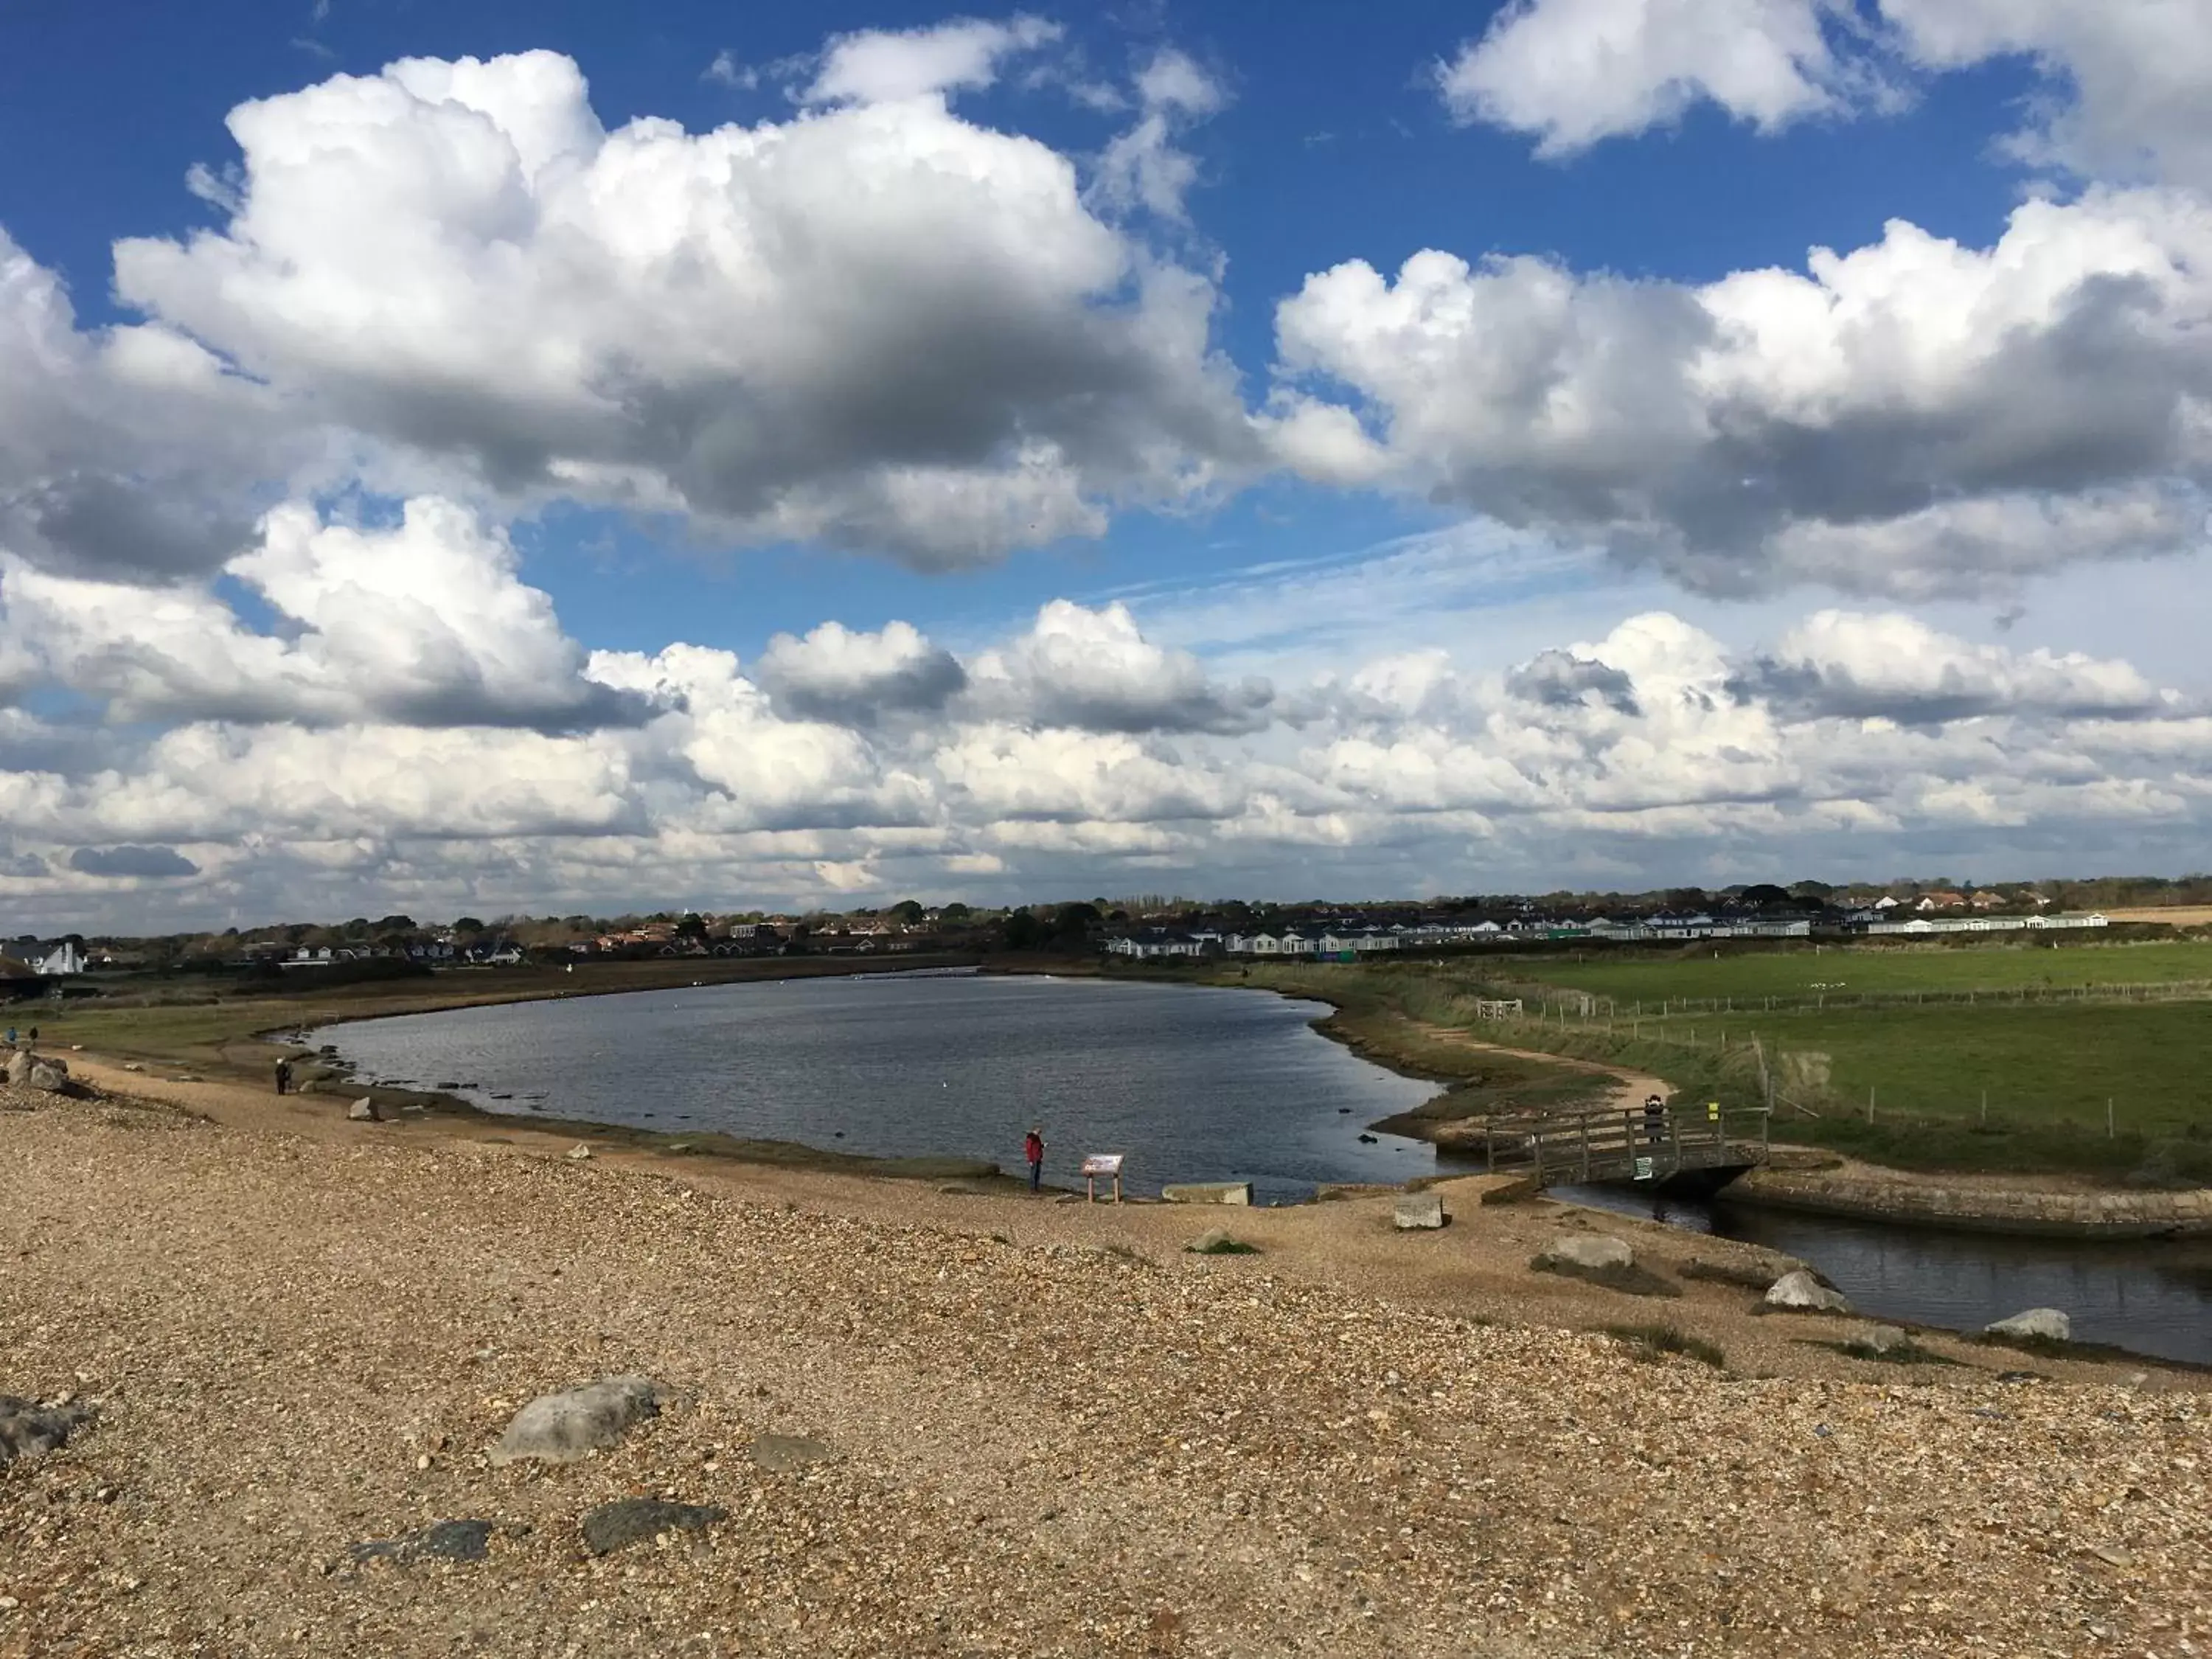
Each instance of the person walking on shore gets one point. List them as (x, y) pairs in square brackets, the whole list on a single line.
[(284, 1076), (1033, 1155)]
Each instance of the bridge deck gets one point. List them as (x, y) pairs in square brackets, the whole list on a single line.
[(1611, 1145)]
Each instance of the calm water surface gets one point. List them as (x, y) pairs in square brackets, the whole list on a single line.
[(1191, 1084), (2152, 1298)]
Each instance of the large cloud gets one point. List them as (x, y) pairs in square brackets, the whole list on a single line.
[(842, 674), (1912, 417), (129, 451), (876, 326), (1095, 671), (1897, 667), (2126, 78), (423, 623)]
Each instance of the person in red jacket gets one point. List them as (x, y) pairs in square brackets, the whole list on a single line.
[(1033, 1153)]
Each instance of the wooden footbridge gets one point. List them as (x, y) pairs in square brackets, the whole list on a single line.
[(1684, 1149)]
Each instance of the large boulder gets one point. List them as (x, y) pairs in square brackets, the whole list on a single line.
[(560, 1428), (30, 1430), (609, 1527), (1799, 1291), (1878, 1340), (1593, 1253), (2036, 1324), (19, 1068), (1419, 1212)]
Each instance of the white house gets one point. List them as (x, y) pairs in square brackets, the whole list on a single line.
[(63, 958)]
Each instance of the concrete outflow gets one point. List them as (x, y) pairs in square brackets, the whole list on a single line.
[(1801, 1292), (560, 1428), (1595, 1252), (1421, 1210), (2046, 1323)]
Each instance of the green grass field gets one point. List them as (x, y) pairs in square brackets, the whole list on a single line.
[(1876, 970), (2048, 1068)]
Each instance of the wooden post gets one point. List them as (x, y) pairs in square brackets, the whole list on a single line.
[(1986, 1109), (1869, 1103), (1674, 1137), (1539, 1152), (2111, 1131), (1489, 1148), (1585, 1128)]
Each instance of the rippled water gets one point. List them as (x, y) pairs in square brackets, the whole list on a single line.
[(2150, 1296), (1191, 1084)]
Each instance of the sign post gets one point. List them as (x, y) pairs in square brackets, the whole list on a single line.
[(1096, 1165)]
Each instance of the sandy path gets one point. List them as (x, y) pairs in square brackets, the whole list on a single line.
[(1629, 1093)]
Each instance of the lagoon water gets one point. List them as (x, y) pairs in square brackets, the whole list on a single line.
[(2150, 1295), (1191, 1084)]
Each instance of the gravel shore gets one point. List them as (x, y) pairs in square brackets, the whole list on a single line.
[(1055, 1433)]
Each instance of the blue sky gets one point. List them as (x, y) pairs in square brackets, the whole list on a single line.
[(1042, 411)]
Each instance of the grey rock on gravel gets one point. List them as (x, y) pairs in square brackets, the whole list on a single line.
[(560, 1428), (1421, 1211), (443, 1541), (28, 1429), (626, 1521), (2048, 1323), (1596, 1252), (779, 1454), (1801, 1292), (1878, 1339)]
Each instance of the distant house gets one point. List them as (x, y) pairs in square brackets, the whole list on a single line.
[(1158, 944), (1941, 900), (58, 960)]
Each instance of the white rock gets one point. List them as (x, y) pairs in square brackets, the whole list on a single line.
[(1420, 1211), (2046, 1322), (580, 1151), (1800, 1290), (560, 1428), (363, 1111), (1587, 1250), (1879, 1338)]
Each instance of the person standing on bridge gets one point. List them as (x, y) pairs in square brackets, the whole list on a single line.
[(1033, 1155), (1655, 1119)]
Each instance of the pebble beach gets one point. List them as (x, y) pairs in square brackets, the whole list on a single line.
[(1041, 1429)]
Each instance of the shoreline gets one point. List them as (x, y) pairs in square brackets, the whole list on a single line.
[(1882, 1194)]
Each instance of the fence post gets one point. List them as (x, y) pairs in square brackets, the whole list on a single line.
[(1869, 1103), (1986, 1109), (1489, 1148), (2112, 1131), (1584, 1127)]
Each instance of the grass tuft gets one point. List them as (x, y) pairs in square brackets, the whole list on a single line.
[(1631, 1280), (1652, 1343)]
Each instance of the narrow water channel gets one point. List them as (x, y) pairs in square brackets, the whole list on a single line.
[(2149, 1297)]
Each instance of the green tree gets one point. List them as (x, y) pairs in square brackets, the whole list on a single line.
[(692, 925), (1074, 920), (395, 925), (1021, 931), (956, 911), (906, 910), (468, 924)]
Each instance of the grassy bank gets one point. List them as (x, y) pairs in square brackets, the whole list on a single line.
[(2048, 1071)]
